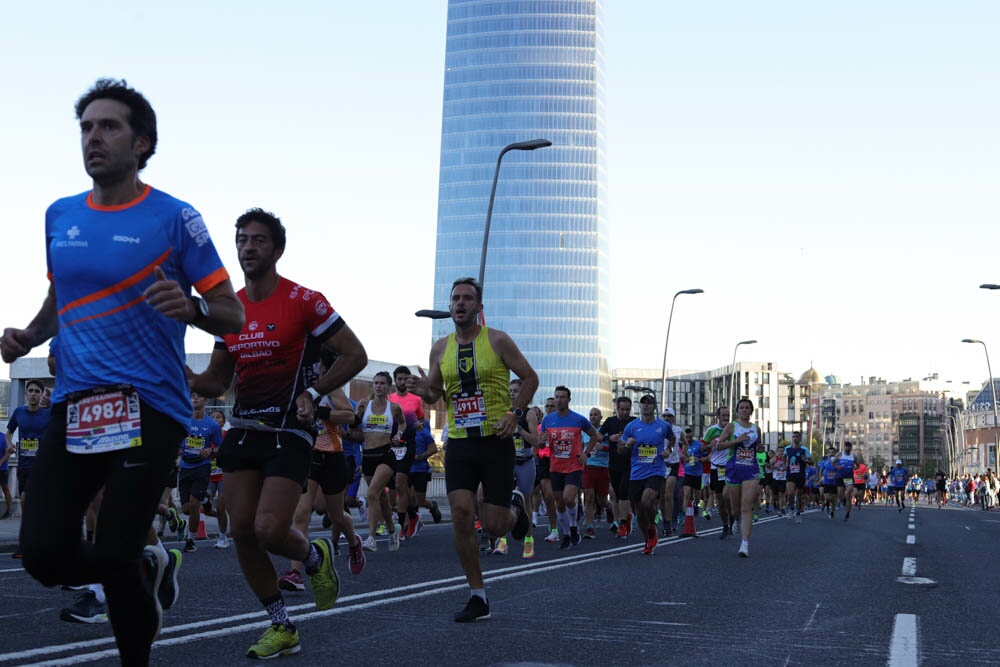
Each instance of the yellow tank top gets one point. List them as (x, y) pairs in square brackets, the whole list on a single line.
[(476, 386)]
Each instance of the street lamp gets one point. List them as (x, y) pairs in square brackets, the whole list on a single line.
[(993, 389), (732, 375), (433, 314), (663, 375), (518, 146)]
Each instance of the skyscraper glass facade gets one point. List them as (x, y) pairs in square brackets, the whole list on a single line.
[(517, 70)]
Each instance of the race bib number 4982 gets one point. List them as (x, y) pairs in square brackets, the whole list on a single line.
[(103, 422)]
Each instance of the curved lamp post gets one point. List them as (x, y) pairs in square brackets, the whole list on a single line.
[(993, 390), (663, 374), (732, 375)]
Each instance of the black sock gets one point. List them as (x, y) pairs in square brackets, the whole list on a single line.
[(278, 612)]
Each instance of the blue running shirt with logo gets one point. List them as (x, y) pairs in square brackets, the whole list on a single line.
[(100, 260)]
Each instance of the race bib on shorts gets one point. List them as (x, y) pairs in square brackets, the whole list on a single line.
[(28, 446), (103, 420), (746, 457), (470, 410), (794, 468), (399, 452)]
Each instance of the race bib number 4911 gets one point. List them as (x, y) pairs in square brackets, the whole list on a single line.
[(103, 422)]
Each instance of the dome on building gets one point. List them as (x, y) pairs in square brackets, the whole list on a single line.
[(811, 376)]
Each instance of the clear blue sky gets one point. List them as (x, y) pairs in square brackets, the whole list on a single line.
[(826, 172)]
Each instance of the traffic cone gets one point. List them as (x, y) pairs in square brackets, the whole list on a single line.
[(689, 530), (202, 534)]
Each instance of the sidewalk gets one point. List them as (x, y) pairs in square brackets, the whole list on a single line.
[(11, 527)]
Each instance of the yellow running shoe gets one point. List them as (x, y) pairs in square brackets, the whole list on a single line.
[(276, 640)]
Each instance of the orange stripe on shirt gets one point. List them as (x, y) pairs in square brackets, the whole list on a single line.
[(137, 300), (213, 279), (118, 287), (118, 207)]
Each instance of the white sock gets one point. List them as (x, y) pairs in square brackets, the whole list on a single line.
[(562, 519), (159, 543), (98, 591), (479, 593), (571, 511)]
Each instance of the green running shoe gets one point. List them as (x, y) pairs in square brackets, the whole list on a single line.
[(325, 582), (277, 640)]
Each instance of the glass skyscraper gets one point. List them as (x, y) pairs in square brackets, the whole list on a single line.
[(517, 70)]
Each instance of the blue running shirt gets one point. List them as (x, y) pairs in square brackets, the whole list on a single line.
[(100, 261), (647, 451)]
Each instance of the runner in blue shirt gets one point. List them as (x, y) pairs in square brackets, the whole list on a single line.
[(897, 484), (30, 421), (122, 260), (645, 438)]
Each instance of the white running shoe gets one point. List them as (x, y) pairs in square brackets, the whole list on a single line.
[(744, 551), (369, 544), (222, 542), (394, 538)]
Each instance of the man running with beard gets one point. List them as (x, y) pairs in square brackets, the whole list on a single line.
[(563, 431), (267, 453), (470, 369)]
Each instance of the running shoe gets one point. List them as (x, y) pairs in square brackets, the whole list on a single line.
[(623, 530), (369, 544), (394, 538), (356, 557), (501, 548), (276, 640), (659, 516), (153, 564), (614, 528), (522, 525), (182, 530), (324, 582), (553, 536), (706, 516), (529, 547), (476, 609), (363, 509), (566, 542), (435, 512), (413, 526), (608, 514), (292, 581), (17, 555), (172, 520), (725, 533), (574, 535), (381, 530), (190, 546), (589, 533), (222, 542), (170, 589), (666, 532), (744, 551), (847, 516), (651, 541), (86, 609)]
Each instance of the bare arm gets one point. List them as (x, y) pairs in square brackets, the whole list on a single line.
[(341, 412), (217, 377), (723, 442), (349, 361), (531, 435), (16, 343)]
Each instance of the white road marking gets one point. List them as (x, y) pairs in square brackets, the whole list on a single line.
[(909, 567), (911, 539), (904, 650), (811, 618), (912, 526), (15, 569), (916, 581), (667, 604)]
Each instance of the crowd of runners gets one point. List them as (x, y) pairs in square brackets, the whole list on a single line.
[(126, 431)]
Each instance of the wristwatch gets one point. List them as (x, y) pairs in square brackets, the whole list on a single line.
[(518, 412), (200, 309)]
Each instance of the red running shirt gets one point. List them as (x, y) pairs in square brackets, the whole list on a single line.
[(277, 352)]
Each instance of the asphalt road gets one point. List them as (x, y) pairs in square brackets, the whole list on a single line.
[(823, 592)]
